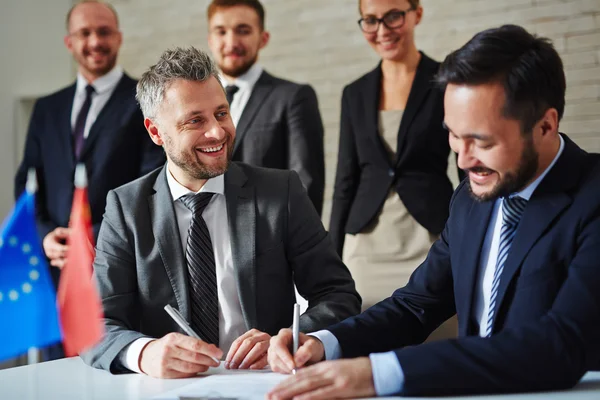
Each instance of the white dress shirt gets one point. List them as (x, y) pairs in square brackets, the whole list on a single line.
[(245, 83), (104, 88), (231, 320)]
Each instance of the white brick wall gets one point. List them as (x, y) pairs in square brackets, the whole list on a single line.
[(318, 41)]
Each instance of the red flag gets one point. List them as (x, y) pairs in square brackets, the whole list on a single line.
[(79, 304)]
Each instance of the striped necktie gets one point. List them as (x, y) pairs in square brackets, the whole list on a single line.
[(512, 210), (200, 259)]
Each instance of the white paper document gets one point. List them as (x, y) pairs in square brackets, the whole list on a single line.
[(225, 384)]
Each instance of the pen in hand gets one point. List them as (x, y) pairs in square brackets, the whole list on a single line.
[(178, 318), (295, 332)]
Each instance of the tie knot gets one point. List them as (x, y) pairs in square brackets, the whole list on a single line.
[(89, 90), (231, 90), (196, 203), (512, 209)]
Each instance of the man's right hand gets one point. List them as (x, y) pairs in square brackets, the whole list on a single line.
[(55, 247), (310, 351), (178, 356)]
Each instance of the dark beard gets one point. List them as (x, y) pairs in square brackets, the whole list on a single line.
[(512, 182)]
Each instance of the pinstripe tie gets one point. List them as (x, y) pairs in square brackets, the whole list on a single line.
[(512, 210), (202, 271)]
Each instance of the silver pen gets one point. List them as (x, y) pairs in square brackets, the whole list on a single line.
[(295, 332), (178, 318)]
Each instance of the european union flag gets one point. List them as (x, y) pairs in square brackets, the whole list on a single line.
[(28, 316)]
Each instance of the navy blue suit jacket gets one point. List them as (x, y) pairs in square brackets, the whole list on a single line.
[(546, 333), (117, 150)]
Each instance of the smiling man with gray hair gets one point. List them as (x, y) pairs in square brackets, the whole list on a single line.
[(222, 242)]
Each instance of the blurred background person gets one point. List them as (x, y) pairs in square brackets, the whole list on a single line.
[(95, 121), (278, 122), (391, 191)]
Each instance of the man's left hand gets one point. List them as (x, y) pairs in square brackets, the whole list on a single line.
[(249, 351), (328, 380)]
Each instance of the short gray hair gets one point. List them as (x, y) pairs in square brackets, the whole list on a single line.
[(188, 64)]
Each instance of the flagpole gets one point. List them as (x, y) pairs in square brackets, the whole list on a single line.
[(33, 354), (80, 182), (80, 176)]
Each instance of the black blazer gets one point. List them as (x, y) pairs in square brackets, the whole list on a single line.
[(546, 332), (365, 173), (116, 151), (281, 128)]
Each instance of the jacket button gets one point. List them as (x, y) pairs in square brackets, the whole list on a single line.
[(391, 172)]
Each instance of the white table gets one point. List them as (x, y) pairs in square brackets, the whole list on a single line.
[(71, 379)]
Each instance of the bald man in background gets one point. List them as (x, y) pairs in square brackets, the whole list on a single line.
[(95, 121)]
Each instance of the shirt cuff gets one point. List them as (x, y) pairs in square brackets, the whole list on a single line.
[(387, 373), (333, 350), (130, 355)]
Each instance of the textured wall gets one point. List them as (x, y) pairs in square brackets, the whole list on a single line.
[(318, 41), (34, 63)]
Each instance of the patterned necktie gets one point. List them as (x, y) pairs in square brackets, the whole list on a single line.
[(79, 129), (202, 271), (230, 91), (512, 210)]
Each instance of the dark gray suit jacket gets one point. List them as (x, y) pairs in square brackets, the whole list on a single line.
[(277, 239), (281, 128)]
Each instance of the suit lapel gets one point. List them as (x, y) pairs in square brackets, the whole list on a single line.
[(168, 240), (261, 90), (418, 92), (64, 127), (241, 211), (546, 204), (368, 107), (468, 260), (111, 112)]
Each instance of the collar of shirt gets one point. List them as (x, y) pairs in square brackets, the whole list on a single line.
[(245, 81), (103, 84), (212, 185), (528, 191)]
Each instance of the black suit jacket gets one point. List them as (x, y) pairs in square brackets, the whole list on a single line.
[(546, 333), (277, 240), (365, 172), (116, 151), (281, 128)]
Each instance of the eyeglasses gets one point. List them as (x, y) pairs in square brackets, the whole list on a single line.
[(101, 33), (392, 20)]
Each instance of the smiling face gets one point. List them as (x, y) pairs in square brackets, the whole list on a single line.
[(235, 37), (195, 129), (391, 44), (93, 39), (492, 149)]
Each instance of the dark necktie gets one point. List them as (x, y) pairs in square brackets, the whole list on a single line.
[(512, 210), (230, 91), (202, 271), (79, 129)]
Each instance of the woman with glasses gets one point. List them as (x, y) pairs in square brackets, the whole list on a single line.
[(392, 192)]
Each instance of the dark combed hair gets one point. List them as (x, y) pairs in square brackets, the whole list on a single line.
[(254, 4), (528, 67)]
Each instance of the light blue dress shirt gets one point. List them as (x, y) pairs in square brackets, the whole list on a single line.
[(388, 376)]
